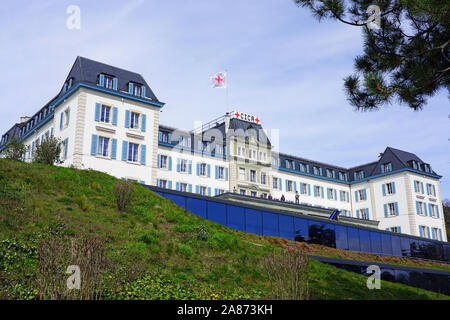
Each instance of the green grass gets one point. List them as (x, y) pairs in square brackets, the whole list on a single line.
[(156, 250)]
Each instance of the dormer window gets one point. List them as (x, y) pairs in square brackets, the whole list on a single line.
[(386, 167), (359, 175), (136, 89), (107, 81)]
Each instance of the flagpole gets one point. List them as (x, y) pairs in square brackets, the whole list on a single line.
[(227, 98)]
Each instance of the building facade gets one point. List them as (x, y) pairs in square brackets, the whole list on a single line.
[(108, 120)]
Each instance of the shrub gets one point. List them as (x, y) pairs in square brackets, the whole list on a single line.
[(288, 274), (15, 150), (82, 202), (185, 249), (123, 191), (148, 238), (48, 151)]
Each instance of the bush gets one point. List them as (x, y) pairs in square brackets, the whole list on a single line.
[(185, 249), (15, 150), (148, 238), (123, 191), (48, 151), (82, 202)]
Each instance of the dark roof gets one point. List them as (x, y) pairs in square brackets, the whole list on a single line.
[(87, 70)]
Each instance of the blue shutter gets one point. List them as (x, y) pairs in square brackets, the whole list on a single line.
[(357, 214), (354, 175), (190, 166), (340, 195), (159, 136), (226, 174), (127, 118), (177, 186), (143, 91), (216, 171), (113, 148), (198, 168), (348, 196), (51, 132), (224, 151), (124, 150), (421, 187), (328, 193), (170, 163), (209, 171), (437, 210), (415, 186), (356, 196), (365, 194), (143, 153), (335, 195), (309, 189), (159, 161), (322, 191), (393, 187), (142, 182), (428, 189), (385, 210), (101, 81), (130, 87), (287, 184), (190, 188), (399, 229), (428, 232), (115, 83), (307, 168), (197, 189), (178, 165), (417, 207), (396, 209), (189, 143), (216, 191), (144, 122), (420, 232), (169, 184), (440, 235), (66, 144), (315, 191), (94, 144), (61, 121), (65, 87), (368, 214), (114, 117), (425, 209), (209, 191), (434, 190), (384, 189), (320, 171), (169, 139), (280, 184)]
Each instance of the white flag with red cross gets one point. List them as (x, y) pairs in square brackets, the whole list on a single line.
[(219, 80)]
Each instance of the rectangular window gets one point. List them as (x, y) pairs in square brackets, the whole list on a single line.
[(343, 195), (253, 193), (183, 165), (163, 161), (364, 213), (104, 114), (242, 174), (433, 210), (242, 192), (164, 137), (220, 172), (394, 229), (316, 170), (362, 194), (423, 231), (202, 190), (134, 124), (137, 89), (317, 192), (303, 189), (133, 152), (263, 178), (418, 186), (183, 187), (386, 167), (420, 208), (435, 233), (252, 176), (162, 184), (329, 173), (108, 82), (102, 147), (331, 194), (275, 182), (389, 188), (289, 186), (360, 175), (392, 209), (220, 191), (202, 169)]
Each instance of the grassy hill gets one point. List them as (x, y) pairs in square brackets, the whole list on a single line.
[(154, 250)]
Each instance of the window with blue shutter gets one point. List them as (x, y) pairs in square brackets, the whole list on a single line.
[(396, 209), (322, 191), (97, 112), (170, 164), (428, 233), (417, 207), (66, 145), (190, 166), (415, 186), (209, 171), (143, 153), (61, 121), (356, 196), (94, 144), (280, 184), (101, 80), (437, 210), (393, 187), (144, 122), (348, 196), (335, 195), (114, 117), (115, 83), (113, 148), (226, 174), (357, 214), (421, 185), (385, 210), (169, 184), (124, 150), (434, 190), (127, 118), (130, 87), (190, 188), (177, 186), (209, 191), (143, 88), (383, 186)]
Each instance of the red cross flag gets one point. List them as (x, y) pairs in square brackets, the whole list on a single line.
[(219, 80)]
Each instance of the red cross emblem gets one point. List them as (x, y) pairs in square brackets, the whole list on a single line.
[(237, 114), (218, 79), (257, 120)]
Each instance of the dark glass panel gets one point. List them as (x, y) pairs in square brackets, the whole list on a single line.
[(253, 221), (301, 229), (236, 218), (217, 212), (402, 276), (286, 227), (364, 238), (406, 246), (196, 206), (341, 237), (388, 275), (386, 244), (321, 233), (270, 224), (375, 241), (396, 247), (353, 239), (179, 200)]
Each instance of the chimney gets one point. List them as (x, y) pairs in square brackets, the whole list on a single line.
[(24, 119), (227, 122)]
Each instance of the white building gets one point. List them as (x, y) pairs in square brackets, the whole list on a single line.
[(108, 120)]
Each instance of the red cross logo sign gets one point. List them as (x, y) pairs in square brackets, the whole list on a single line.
[(219, 80)]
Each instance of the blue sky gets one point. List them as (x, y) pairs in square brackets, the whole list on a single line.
[(284, 66)]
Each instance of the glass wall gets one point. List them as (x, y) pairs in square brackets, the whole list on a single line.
[(318, 231)]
